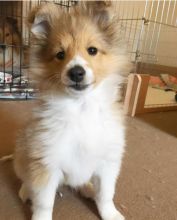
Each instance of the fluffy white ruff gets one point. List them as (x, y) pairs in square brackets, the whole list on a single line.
[(82, 133), (82, 140)]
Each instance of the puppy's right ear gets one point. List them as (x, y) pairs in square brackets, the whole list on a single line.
[(41, 19)]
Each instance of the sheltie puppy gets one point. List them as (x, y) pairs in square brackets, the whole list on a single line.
[(77, 134), (10, 41)]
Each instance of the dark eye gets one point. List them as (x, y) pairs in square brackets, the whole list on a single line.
[(7, 34), (60, 55), (92, 51)]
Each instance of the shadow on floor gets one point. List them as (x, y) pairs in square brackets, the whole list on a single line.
[(11, 188), (165, 121)]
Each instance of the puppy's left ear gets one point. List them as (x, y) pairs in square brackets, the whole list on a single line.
[(41, 19), (100, 11), (105, 15)]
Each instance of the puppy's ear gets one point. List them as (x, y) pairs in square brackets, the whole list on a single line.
[(41, 19), (101, 11), (105, 15), (100, 8)]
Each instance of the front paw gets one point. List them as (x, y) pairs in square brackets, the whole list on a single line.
[(42, 215), (23, 193), (109, 212), (116, 216)]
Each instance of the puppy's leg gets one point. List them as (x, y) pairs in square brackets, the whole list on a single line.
[(24, 193), (104, 185), (87, 191), (43, 197)]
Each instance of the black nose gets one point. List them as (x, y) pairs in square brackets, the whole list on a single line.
[(76, 74), (2, 46)]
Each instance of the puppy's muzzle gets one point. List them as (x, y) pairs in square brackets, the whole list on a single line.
[(76, 74)]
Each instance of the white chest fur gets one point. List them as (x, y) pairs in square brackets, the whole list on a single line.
[(80, 135)]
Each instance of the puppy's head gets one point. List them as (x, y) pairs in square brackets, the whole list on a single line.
[(75, 51), (9, 33)]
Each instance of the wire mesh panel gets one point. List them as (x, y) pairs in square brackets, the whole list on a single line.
[(150, 29)]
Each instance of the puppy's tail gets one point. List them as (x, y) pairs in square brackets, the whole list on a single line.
[(7, 158)]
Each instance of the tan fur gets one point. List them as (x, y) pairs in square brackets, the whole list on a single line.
[(87, 191), (31, 169), (27, 164), (74, 33)]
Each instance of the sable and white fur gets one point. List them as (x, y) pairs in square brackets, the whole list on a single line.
[(75, 136)]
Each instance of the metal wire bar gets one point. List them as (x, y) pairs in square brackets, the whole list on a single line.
[(21, 43), (125, 31), (158, 34), (123, 10), (147, 33), (141, 32), (131, 24), (169, 3), (148, 20), (153, 32), (162, 23), (173, 13), (142, 27), (137, 52)]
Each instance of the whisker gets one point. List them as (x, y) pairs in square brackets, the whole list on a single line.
[(53, 80)]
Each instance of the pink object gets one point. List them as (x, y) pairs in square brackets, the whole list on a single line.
[(156, 81)]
